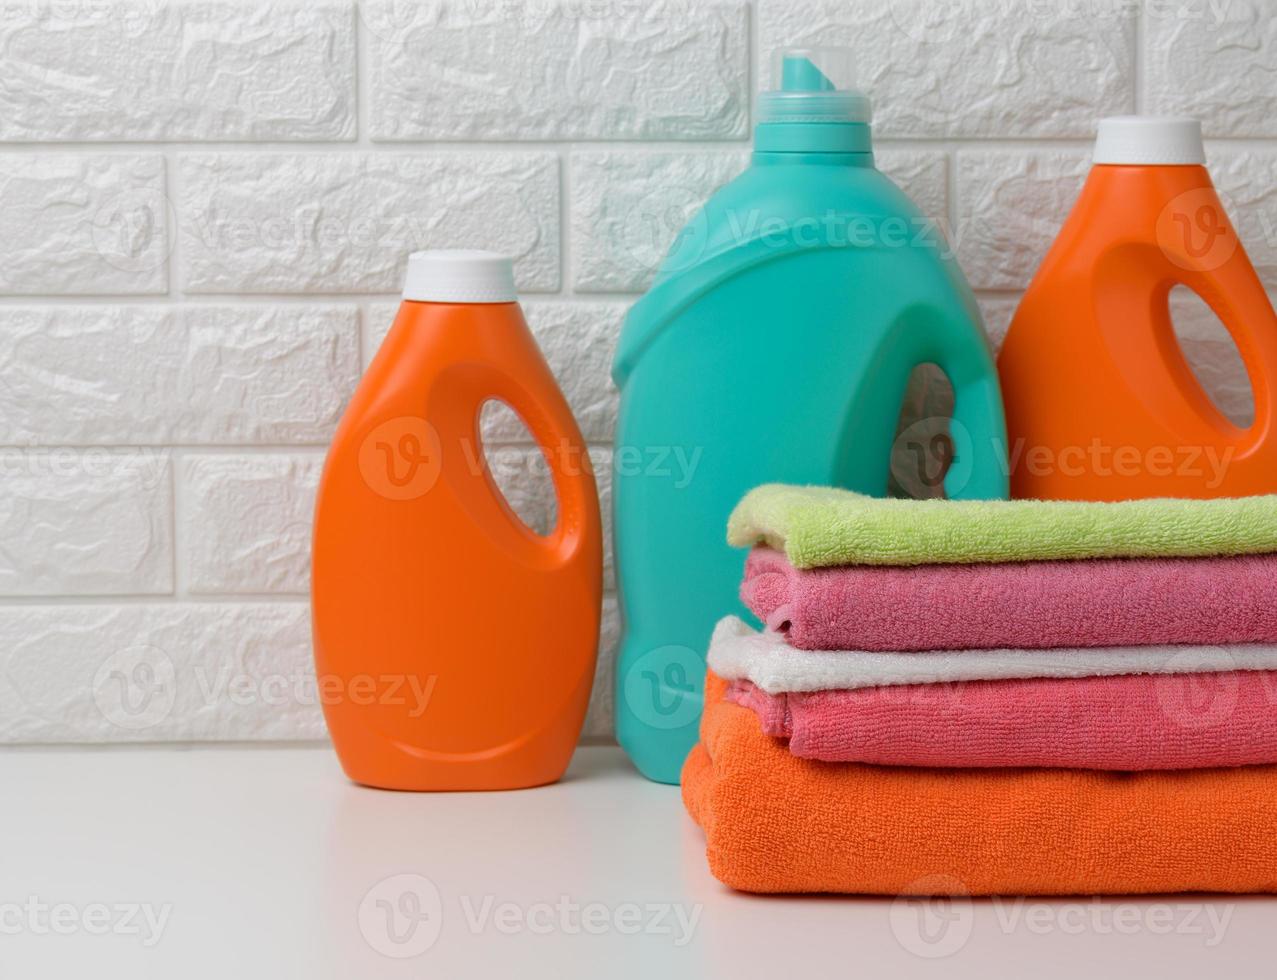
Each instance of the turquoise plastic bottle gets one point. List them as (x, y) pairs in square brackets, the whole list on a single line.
[(775, 346)]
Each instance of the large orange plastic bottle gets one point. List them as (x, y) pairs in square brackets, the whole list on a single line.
[(454, 647), (1100, 402)]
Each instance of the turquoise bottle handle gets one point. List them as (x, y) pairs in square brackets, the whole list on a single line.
[(979, 431), (979, 470)]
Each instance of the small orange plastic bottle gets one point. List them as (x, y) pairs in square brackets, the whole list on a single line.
[(454, 646), (1100, 402)]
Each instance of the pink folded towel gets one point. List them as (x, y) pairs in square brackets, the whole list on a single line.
[(1099, 602), (1131, 722)]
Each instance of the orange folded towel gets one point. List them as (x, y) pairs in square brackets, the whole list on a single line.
[(777, 823)]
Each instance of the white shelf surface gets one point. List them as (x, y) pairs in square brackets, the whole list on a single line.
[(266, 862)]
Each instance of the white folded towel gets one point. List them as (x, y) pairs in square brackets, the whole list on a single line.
[(739, 652)]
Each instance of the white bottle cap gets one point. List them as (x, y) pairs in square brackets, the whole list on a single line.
[(459, 276), (1164, 140)]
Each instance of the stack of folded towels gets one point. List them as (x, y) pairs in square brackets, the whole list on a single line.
[(1014, 697)]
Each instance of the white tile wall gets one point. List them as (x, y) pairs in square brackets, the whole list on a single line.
[(174, 373), (575, 69), (205, 205), (151, 70), (974, 68), (341, 222), (82, 223), (246, 522)]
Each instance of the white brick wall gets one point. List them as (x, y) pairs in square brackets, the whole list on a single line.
[(205, 206)]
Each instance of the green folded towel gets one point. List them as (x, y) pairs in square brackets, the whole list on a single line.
[(818, 526)]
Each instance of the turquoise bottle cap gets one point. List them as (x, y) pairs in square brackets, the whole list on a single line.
[(813, 85)]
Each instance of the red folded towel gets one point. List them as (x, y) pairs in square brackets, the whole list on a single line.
[(1131, 722), (1100, 602)]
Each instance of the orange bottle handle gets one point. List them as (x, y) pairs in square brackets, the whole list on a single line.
[(1222, 275), (1233, 292), (552, 426), (1227, 291)]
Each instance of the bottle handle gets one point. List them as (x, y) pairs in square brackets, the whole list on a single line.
[(556, 434), (979, 469), (1200, 249), (978, 422), (1227, 290)]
